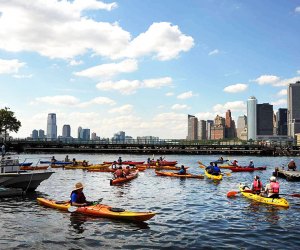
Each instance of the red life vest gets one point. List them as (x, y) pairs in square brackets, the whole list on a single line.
[(275, 187), (257, 185)]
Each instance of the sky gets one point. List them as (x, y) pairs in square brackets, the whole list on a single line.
[(143, 66)]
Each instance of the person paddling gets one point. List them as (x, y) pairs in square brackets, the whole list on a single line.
[(272, 188), (77, 196), (119, 173), (235, 163), (127, 171), (257, 186), (210, 168), (251, 164), (182, 170), (216, 170), (292, 165)]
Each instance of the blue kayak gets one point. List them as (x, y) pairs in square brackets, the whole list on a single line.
[(25, 164), (56, 162)]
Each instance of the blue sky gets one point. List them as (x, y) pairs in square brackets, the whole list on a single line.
[(142, 66)]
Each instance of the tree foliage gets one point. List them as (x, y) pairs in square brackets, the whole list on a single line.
[(8, 121)]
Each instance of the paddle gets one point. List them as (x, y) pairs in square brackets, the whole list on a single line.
[(234, 193), (73, 209), (203, 166)]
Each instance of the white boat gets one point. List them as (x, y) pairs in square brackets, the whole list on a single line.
[(12, 177)]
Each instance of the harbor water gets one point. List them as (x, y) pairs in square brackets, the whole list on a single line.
[(191, 213)]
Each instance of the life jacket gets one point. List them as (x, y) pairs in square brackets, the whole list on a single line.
[(292, 164), (182, 171), (80, 198), (275, 187), (257, 185), (216, 170)]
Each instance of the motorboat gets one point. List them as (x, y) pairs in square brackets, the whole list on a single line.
[(11, 176)]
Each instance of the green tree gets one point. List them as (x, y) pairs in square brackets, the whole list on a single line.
[(8, 122)]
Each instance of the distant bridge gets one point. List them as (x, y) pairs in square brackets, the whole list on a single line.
[(150, 147)]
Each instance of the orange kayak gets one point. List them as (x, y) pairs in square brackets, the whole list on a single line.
[(33, 167), (120, 180), (100, 210), (172, 174)]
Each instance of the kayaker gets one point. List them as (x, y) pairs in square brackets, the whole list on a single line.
[(127, 171), (114, 165), (157, 163), (210, 168), (149, 162), (119, 173), (77, 196), (216, 170), (257, 186), (182, 170), (120, 160), (272, 188), (221, 159), (53, 160), (235, 163), (84, 163), (67, 159), (292, 165), (251, 164), (74, 162)]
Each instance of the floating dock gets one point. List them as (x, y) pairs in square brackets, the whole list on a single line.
[(288, 175)]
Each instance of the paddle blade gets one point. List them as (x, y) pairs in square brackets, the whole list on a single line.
[(295, 195), (72, 209), (228, 174), (232, 194)]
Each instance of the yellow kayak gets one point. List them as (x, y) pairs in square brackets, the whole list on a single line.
[(213, 177), (282, 202), (96, 166)]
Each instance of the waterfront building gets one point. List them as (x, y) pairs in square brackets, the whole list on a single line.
[(202, 130), (241, 127), (192, 128), (51, 126), (119, 137), (85, 134), (35, 134), (264, 119), (66, 131), (147, 139), (41, 134), (281, 119), (94, 136), (79, 132), (293, 114), (274, 124), (209, 124), (229, 126), (251, 118), (218, 129)]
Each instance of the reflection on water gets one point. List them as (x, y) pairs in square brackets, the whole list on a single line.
[(189, 211)]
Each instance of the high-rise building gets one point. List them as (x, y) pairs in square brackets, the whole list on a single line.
[(85, 134), (51, 126), (209, 125), (119, 137), (192, 128), (79, 132), (41, 134), (251, 118), (264, 119), (229, 126), (281, 119), (35, 134), (293, 113), (218, 129), (241, 127), (66, 131), (274, 124), (202, 130)]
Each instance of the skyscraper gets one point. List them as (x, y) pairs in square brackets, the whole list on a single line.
[(218, 130), (229, 126), (51, 126), (241, 127), (35, 134), (293, 113), (209, 125), (202, 130), (264, 119), (79, 132), (281, 118), (85, 134), (66, 131), (192, 128), (251, 118), (41, 134)]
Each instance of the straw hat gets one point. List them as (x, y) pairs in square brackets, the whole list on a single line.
[(78, 186)]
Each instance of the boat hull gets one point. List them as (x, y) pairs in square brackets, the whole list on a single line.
[(172, 174), (213, 177)]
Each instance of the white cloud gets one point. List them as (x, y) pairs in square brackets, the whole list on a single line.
[(179, 107), (186, 95), (233, 106), (22, 76), (286, 82), (125, 109), (75, 63), (298, 71), (282, 92), (127, 87), (206, 115), (163, 40), (98, 101), (279, 102), (58, 100), (267, 79), (213, 52), (157, 83), (239, 87), (297, 9), (10, 66), (110, 69), (169, 94)]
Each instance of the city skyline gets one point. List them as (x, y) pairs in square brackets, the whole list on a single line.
[(142, 66)]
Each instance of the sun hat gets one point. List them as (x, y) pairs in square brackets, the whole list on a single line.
[(78, 185), (273, 178)]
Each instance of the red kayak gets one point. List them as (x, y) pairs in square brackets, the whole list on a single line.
[(247, 169), (129, 177), (125, 162)]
